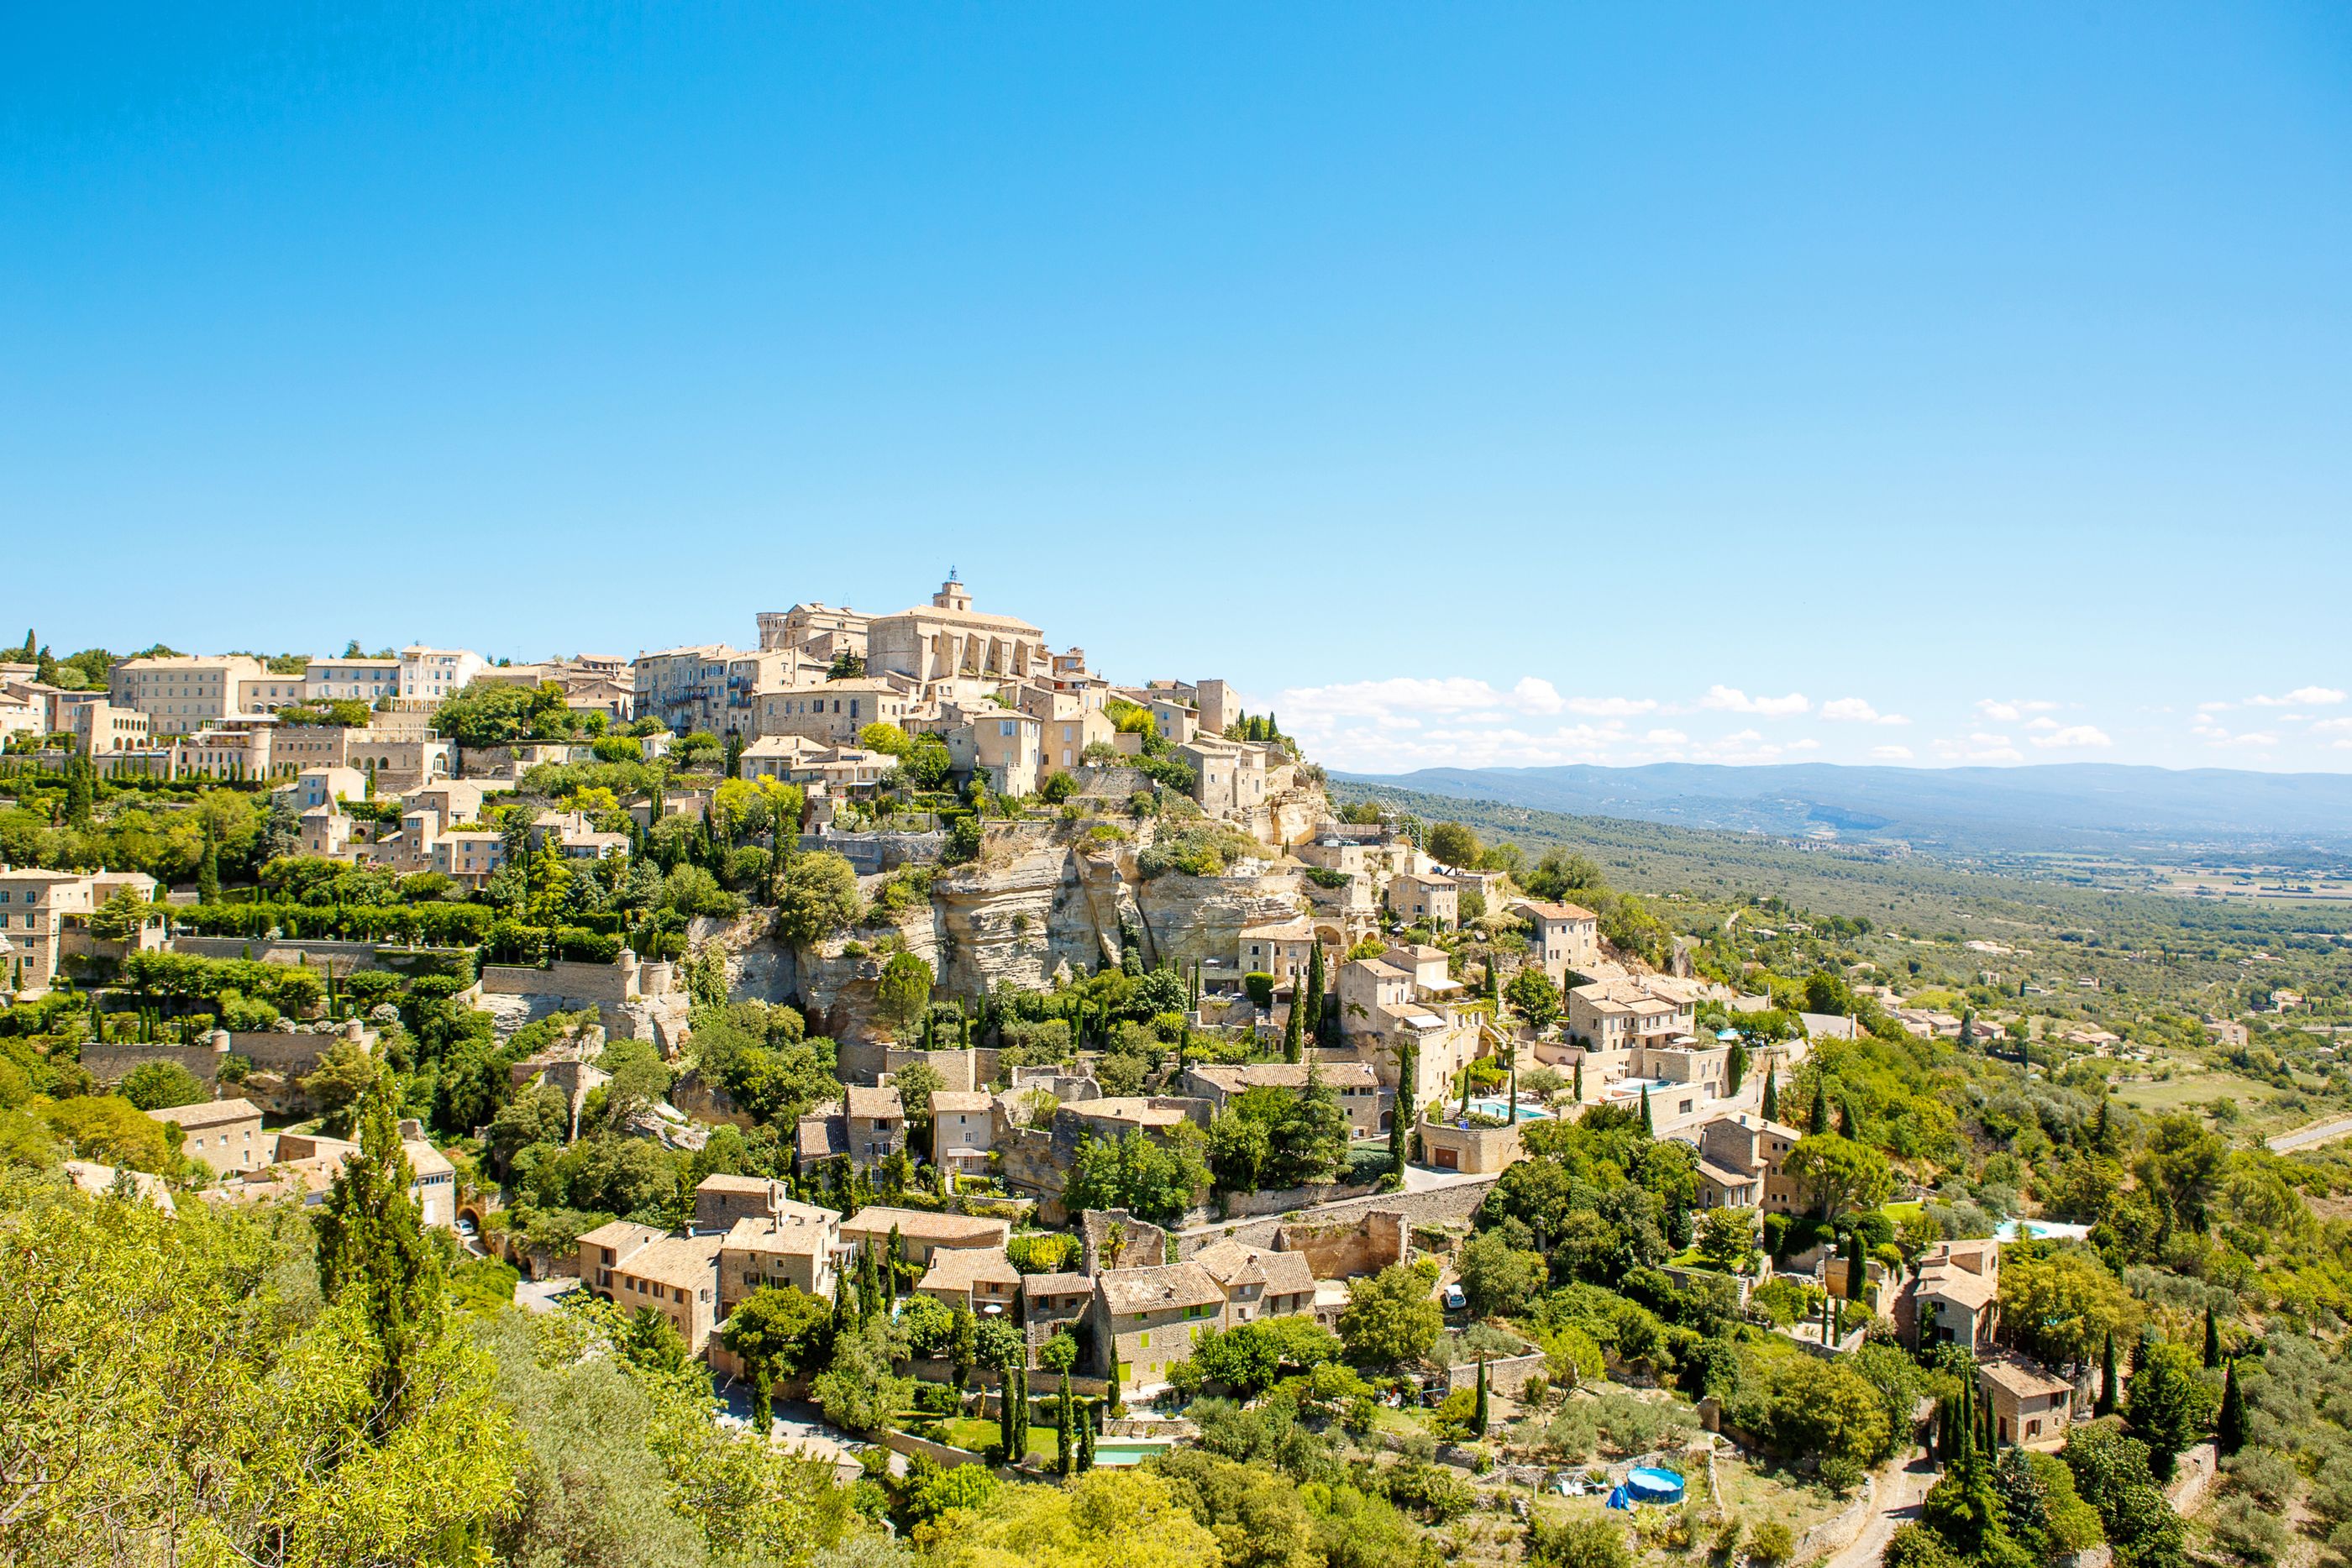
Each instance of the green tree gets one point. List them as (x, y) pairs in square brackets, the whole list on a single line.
[(373, 1256), (158, 1085), (2230, 1426), (1454, 844), (778, 1333), (1534, 996), (1390, 1318), (1497, 1279), (816, 898), (1839, 1175), (2064, 1305), (2167, 1407), (903, 994), (1593, 1540)]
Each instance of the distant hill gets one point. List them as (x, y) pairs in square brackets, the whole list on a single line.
[(2081, 806)]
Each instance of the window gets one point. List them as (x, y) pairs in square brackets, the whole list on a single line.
[(1143, 1339)]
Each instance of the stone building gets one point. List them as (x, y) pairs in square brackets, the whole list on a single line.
[(948, 640)]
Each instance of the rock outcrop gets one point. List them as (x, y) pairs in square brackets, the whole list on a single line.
[(1048, 897)]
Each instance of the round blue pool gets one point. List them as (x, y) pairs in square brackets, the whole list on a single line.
[(1650, 1485)]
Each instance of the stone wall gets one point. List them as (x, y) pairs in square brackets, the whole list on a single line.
[(2192, 1478), (107, 1063), (1342, 1250), (1456, 1202), (1505, 1376), (582, 985), (1146, 1244)]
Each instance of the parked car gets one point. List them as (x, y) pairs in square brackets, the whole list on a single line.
[(1454, 1299)]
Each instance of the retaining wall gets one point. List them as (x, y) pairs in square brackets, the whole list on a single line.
[(1456, 1202), (1505, 1376)]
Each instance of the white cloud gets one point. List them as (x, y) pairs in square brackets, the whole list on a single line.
[(2042, 721), (1731, 699), (2327, 725), (2215, 707), (2000, 712), (2253, 738), (1666, 737), (1856, 710), (1890, 753), (1611, 708), (1535, 694), (2074, 737), (1807, 744), (2302, 696)]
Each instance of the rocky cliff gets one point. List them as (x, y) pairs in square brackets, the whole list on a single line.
[(1045, 899)]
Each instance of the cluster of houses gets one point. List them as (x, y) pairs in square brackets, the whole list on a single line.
[(250, 1165), (1133, 1305)]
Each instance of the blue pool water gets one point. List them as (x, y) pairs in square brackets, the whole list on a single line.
[(1494, 1107)]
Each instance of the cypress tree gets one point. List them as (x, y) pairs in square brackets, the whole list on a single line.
[(1294, 1038), (373, 1250), (1579, 1082), (1086, 1439), (1845, 1117), (1118, 1380), (2212, 1340), (1007, 1437), (1856, 1271), (1649, 1128), (2107, 1401), (1315, 990), (1735, 1067), (1065, 1432), (1478, 1411), (1771, 1095), (208, 886), (2230, 1428), (1820, 1120)]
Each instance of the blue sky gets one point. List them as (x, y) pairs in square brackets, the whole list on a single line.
[(1475, 384)]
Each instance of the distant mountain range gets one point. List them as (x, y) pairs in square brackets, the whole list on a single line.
[(2084, 806)]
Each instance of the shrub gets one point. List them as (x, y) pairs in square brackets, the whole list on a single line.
[(1771, 1542)]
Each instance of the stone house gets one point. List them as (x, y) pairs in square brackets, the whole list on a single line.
[(1952, 1298), (1566, 939), (226, 1134), (963, 1130), (1283, 948), (1258, 1282), (635, 1266), (798, 1245), (1415, 897), (923, 1234), (1743, 1163), (1146, 1320), (977, 1278), (2030, 1406), (1369, 1108)]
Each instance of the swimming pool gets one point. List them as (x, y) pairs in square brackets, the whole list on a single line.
[(2040, 1230), (1119, 1451), (1494, 1107), (1652, 1485)]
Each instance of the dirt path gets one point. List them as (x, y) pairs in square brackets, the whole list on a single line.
[(1900, 1494)]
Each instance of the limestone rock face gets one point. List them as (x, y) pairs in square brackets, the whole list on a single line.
[(1047, 898)]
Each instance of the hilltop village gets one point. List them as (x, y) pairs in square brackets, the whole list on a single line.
[(969, 1091)]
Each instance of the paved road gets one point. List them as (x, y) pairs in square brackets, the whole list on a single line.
[(1899, 1495), (2317, 1133)]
